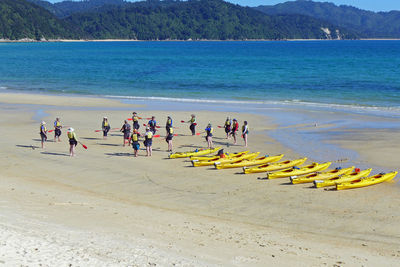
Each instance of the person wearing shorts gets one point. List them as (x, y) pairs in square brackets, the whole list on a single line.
[(126, 129), (57, 130), (148, 141), (135, 142), (43, 133), (169, 137), (73, 141), (105, 126)]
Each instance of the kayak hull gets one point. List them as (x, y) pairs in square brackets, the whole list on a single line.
[(193, 153), (343, 179), (245, 163), (274, 166), (227, 155), (321, 176), (368, 181), (315, 167)]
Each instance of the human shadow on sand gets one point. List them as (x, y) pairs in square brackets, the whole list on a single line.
[(54, 154), (90, 138), (25, 146), (119, 154)]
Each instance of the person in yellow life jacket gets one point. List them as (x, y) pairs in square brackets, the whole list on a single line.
[(135, 141), (43, 133), (168, 124), (135, 121), (57, 130), (73, 141), (169, 137), (105, 126), (227, 126), (148, 141), (193, 124), (245, 132), (209, 133)]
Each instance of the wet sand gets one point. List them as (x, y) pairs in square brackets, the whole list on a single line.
[(105, 207)]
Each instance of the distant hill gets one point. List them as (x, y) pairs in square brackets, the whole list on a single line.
[(20, 19), (367, 24), (157, 20)]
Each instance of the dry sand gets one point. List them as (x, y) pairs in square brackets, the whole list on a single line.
[(106, 208)]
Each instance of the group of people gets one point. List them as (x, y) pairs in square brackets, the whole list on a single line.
[(131, 137)]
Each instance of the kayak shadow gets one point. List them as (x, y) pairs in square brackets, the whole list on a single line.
[(24, 146), (108, 144), (286, 183), (39, 140), (54, 154), (91, 138)]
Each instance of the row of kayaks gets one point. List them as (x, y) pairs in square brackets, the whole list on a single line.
[(315, 173)]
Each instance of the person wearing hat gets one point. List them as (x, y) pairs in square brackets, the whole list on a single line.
[(152, 123), (126, 129), (135, 120), (168, 124), (169, 137), (135, 141), (43, 133), (57, 130), (193, 124), (227, 126), (73, 141), (148, 141), (245, 132), (209, 131), (105, 126), (235, 127)]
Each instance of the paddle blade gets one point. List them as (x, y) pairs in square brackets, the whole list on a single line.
[(219, 126), (129, 119), (158, 126), (85, 147), (198, 133), (182, 121), (175, 134), (157, 135), (50, 131), (97, 131), (144, 124)]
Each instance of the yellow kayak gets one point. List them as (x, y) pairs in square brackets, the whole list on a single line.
[(227, 155), (225, 160), (274, 166), (197, 163), (248, 162), (342, 179), (321, 176), (363, 182), (315, 167), (199, 152)]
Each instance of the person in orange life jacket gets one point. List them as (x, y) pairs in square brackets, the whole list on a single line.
[(235, 127), (43, 133), (148, 141), (209, 133), (73, 141), (245, 132), (105, 126), (169, 137), (135, 141), (57, 130), (135, 121), (126, 129), (227, 126), (168, 124), (152, 124), (193, 124)]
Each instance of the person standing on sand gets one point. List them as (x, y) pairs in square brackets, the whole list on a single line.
[(152, 124), (135, 141), (209, 130), (168, 124), (43, 133), (105, 126), (73, 141), (235, 127), (169, 137), (135, 121), (57, 130), (245, 132), (148, 141), (193, 124), (126, 129), (227, 126)]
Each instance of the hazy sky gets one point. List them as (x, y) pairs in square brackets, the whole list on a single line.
[(374, 5)]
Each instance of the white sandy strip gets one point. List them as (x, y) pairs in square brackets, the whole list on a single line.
[(26, 246)]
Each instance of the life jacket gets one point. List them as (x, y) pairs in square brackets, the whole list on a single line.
[(152, 123), (57, 124), (244, 128), (127, 127), (149, 135), (71, 135), (43, 129), (105, 123), (235, 126), (135, 119), (171, 130), (135, 137), (209, 131), (169, 122), (192, 120), (228, 123)]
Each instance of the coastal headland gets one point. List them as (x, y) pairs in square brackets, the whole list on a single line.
[(106, 208)]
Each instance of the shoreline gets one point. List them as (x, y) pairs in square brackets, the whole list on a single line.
[(28, 40), (106, 207)]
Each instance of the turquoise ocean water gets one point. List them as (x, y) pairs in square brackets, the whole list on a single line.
[(360, 74)]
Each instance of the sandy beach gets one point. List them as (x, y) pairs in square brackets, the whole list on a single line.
[(106, 208)]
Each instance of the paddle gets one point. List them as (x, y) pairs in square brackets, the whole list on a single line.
[(85, 147), (49, 131), (219, 126), (183, 121), (144, 124), (110, 129), (140, 118)]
